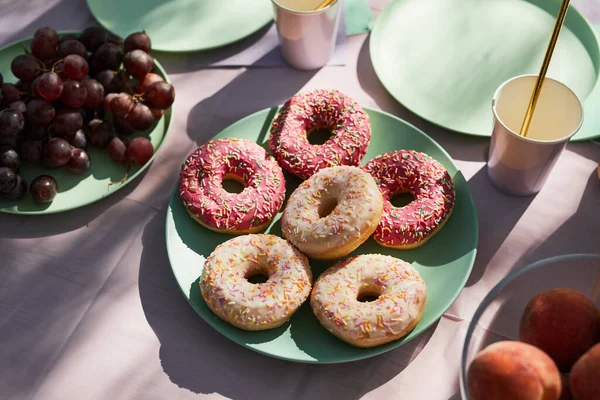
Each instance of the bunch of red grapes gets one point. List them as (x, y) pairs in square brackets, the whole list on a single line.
[(73, 90)]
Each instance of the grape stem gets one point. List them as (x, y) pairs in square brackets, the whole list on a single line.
[(55, 64), (138, 98), (123, 179)]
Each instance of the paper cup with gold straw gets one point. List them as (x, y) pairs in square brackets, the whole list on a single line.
[(519, 164), (560, 19), (307, 31)]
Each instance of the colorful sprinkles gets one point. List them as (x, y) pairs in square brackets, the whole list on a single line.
[(319, 109), (431, 187), (202, 193), (398, 308), (249, 306), (358, 206)]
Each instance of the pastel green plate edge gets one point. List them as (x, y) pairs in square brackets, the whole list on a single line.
[(464, 263), (103, 20), (168, 121), (587, 33)]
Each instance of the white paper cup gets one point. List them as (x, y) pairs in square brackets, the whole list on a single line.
[(520, 165), (306, 36)]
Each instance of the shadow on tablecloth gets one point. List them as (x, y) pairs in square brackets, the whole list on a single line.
[(196, 357)]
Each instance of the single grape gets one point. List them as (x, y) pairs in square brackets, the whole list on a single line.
[(121, 104), (111, 81), (137, 41), (11, 125), (43, 188), (31, 150), (75, 67), (140, 151), (149, 79), (137, 63), (117, 150), (40, 112), (108, 56), (68, 37), (108, 101), (79, 162), (140, 117), (95, 93), (159, 95), (8, 179), (36, 132), (93, 37), (66, 123), (10, 93), (19, 107), (69, 47), (122, 125), (100, 133), (19, 191), (57, 152), (49, 86), (25, 67), (74, 93), (9, 158), (44, 43), (79, 140)]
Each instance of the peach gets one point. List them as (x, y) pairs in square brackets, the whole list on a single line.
[(585, 376), (511, 370), (563, 323)]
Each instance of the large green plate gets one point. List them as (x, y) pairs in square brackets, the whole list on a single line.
[(79, 190), (184, 25), (444, 262), (444, 59)]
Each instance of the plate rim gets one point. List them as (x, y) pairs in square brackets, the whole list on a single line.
[(595, 29), (132, 177), (372, 352), (178, 51)]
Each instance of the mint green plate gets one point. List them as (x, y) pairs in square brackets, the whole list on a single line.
[(78, 190), (184, 25), (444, 59), (445, 262)]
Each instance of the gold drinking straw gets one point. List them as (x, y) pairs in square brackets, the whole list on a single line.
[(324, 4), (540, 79)]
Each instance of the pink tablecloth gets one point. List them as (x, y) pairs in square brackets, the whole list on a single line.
[(89, 308)]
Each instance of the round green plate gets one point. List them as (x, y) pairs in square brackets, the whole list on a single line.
[(184, 25), (445, 262), (78, 190), (444, 59)]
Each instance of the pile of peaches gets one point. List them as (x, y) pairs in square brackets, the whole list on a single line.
[(557, 356)]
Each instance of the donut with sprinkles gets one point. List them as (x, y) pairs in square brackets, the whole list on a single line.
[(308, 112), (399, 291), (228, 293), (408, 171), (208, 203)]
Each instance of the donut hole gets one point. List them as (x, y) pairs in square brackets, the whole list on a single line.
[(368, 294), (318, 136), (257, 275), (326, 207), (402, 199), (233, 184)]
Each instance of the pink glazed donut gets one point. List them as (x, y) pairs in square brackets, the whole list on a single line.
[(320, 109), (431, 186), (209, 204)]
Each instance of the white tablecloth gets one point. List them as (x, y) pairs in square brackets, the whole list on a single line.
[(89, 308)]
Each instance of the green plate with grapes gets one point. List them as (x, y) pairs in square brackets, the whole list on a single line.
[(444, 262), (103, 178)]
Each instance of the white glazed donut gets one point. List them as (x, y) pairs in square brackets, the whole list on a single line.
[(228, 293), (333, 212), (401, 297)]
